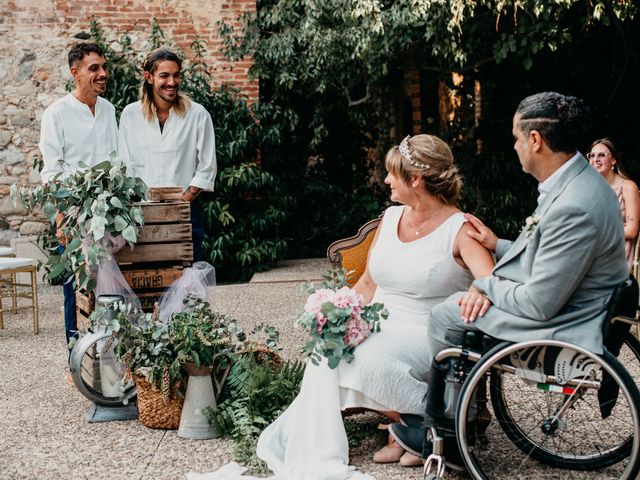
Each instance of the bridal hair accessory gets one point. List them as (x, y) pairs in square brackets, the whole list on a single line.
[(406, 153)]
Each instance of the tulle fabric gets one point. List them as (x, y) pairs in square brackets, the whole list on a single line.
[(193, 282), (110, 280)]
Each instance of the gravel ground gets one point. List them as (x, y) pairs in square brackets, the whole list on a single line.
[(44, 434)]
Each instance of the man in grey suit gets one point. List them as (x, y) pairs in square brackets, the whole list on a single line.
[(555, 280)]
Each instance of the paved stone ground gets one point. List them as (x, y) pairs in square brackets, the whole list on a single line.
[(43, 432)]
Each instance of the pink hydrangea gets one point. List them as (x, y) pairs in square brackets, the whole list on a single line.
[(316, 299), (357, 330), (346, 297)]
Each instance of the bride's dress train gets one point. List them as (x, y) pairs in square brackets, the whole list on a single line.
[(308, 441)]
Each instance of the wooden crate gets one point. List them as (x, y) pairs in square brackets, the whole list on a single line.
[(147, 284), (164, 237), (163, 250), (164, 194), (85, 304)]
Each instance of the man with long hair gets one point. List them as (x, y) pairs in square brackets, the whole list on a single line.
[(167, 139), (78, 128)]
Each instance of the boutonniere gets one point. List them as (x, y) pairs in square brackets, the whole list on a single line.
[(530, 224)]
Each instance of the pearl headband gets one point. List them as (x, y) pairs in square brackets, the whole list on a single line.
[(405, 151)]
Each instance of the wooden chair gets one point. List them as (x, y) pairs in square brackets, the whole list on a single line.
[(8, 252), (11, 288), (351, 253)]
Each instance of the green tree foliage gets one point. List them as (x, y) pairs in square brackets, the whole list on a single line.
[(243, 216), (329, 71)]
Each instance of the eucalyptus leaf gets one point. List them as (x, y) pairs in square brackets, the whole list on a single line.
[(119, 223), (130, 234), (116, 202)]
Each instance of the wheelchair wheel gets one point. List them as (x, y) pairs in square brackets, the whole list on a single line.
[(548, 398), (629, 356)]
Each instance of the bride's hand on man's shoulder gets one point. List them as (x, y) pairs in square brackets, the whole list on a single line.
[(481, 233), (473, 304)]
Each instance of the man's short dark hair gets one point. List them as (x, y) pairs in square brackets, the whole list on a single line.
[(81, 50), (561, 120)]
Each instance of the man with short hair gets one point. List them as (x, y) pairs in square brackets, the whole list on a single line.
[(81, 126), (78, 128), (167, 139), (554, 282)]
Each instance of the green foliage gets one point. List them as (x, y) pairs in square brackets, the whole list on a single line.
[(201, 336), (92, 206), (157, 350), (145, 346), (244, 215), (254, 395), (330, 72)]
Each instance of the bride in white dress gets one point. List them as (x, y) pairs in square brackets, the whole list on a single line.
[(421, 254)]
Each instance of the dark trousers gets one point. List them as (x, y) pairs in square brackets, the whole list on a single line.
[(70, 317), (197, 230)]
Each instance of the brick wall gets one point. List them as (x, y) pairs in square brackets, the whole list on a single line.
[(36, 35)]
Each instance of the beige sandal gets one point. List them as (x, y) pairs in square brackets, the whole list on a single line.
[(390, 453), (411, 460)]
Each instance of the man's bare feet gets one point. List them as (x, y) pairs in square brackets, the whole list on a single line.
[(68, 378)]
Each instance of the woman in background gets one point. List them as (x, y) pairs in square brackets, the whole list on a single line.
[(605, 158)]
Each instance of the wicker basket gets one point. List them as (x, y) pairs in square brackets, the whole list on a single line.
[(154, 409), (260, 353)]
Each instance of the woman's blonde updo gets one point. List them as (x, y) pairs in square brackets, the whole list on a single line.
[(428, 157)]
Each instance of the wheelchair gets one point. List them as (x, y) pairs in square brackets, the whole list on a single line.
[(539, 408)]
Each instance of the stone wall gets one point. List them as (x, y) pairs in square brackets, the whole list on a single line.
[(36, 36)]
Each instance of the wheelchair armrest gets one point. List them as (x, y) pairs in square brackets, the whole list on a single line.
[(477, 341)]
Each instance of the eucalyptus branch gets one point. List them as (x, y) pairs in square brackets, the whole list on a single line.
[(90, 207)]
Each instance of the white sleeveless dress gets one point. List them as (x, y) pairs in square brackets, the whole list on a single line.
[(389, 369), (308, 441)]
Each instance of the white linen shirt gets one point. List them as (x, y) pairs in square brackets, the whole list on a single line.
[(70, 134), (183, 153)]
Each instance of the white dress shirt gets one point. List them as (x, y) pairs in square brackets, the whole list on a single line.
[(183, 153), (70, 134)]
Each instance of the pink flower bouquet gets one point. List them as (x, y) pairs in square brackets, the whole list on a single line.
[(337, 321)]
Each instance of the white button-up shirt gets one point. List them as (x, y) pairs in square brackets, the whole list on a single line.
[(70, 134), (183, 153)]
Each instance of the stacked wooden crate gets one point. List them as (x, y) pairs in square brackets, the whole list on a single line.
[(163, 250)]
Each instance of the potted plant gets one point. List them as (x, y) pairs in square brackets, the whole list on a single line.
[(201, 337), (145, 346)]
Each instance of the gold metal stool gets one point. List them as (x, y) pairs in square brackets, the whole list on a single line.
[(8, 252), (10, 267)]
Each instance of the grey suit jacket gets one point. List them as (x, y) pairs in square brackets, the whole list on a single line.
[(555, 283)]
